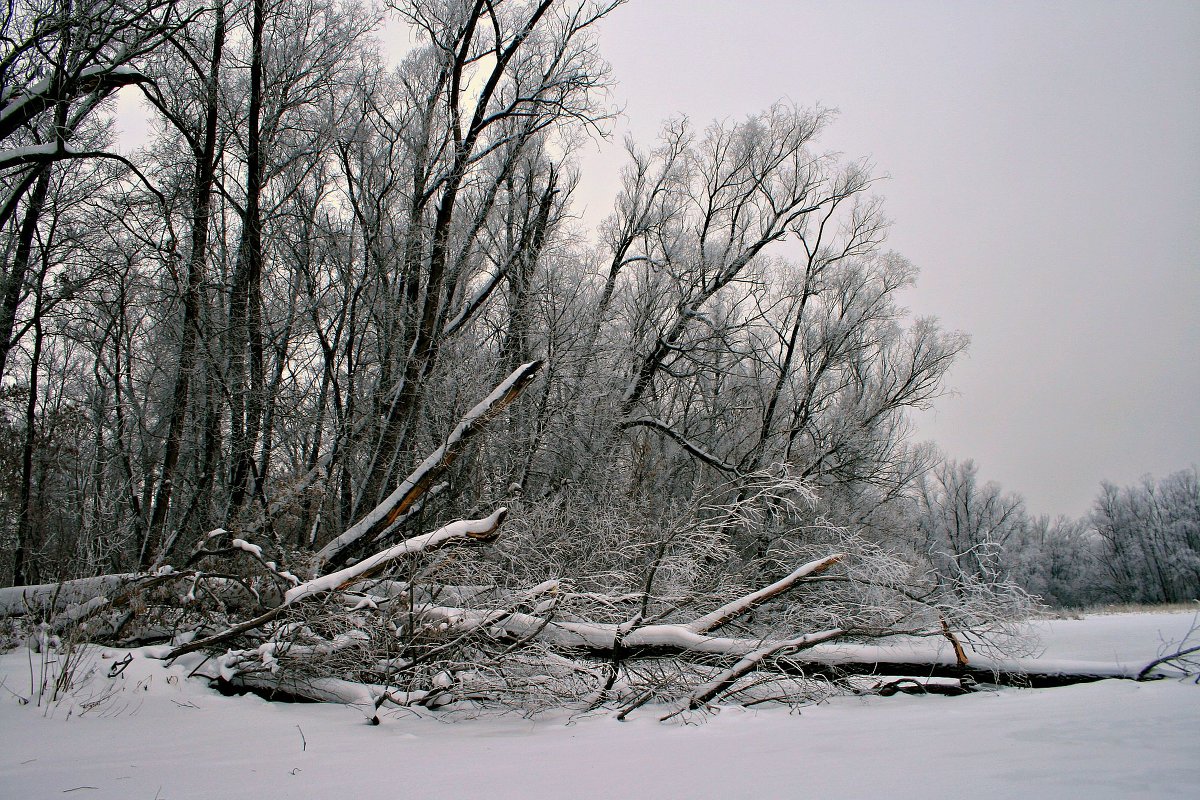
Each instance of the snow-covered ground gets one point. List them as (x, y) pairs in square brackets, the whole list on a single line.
[(164, 736)]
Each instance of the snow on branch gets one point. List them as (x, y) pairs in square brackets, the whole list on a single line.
[(734, 609), (690, 636), (478, 529), (481, 530), (432, 468), (749, 662), (55, 597), (64, 151), (480, 296), (599, 638), (99, 79), (688, 445), (58, 151)]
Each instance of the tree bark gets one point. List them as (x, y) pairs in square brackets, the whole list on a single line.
[(205, 177), (245, 311)]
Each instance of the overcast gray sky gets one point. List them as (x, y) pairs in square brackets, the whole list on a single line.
[(1044, 163)]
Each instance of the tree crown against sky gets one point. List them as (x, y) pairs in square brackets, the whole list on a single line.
[(1041, 167)]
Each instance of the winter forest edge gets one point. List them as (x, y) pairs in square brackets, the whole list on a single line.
[(329, 386)]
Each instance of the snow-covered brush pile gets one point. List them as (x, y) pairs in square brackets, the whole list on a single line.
[(570, 603), (440, 627)]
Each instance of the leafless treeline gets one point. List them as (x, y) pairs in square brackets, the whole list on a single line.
[(267, 317), (1140, 544)]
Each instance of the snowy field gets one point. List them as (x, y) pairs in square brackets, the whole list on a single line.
[(164, 736)]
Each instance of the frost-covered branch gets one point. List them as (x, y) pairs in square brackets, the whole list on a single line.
[(750, 661), (481, 530), (462, 530), (607, 637), (732, 610), (432, 468), (687, 444), (102, 80)]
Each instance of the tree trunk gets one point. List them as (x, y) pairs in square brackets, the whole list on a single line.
[(245, 310), (201, 213), (15, 279)]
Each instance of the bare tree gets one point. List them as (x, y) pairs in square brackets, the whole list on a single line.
[(535, 68), (1151, 538), (59, 62), (966, 526)]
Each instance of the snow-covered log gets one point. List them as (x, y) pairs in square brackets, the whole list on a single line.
[(53, 598), (888, 685), (607, 638), (503, 630), (850, 658), (368, 696), (598, 639), (431, 469)]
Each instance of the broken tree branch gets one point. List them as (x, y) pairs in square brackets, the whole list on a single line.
[(430, 470), (731, 611), (480, 530), (1179, 655), (749, 662)]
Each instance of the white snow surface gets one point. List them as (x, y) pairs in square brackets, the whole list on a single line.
[(163, 735)]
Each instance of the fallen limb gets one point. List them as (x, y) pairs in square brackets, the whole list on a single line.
[(369, 696), (1179, 657), (840, 660), (608, 638), (52, 598), (749, 662), (431, 469), (888, 685), (462, 530), (227, 634), (597, 639), (731, 611), (481, 530)]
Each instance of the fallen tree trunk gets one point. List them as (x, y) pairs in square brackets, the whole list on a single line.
[(604, 639), (851, 659), (564, 642), (655, 641), (888, 685), (383, 516), (54, 598)]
